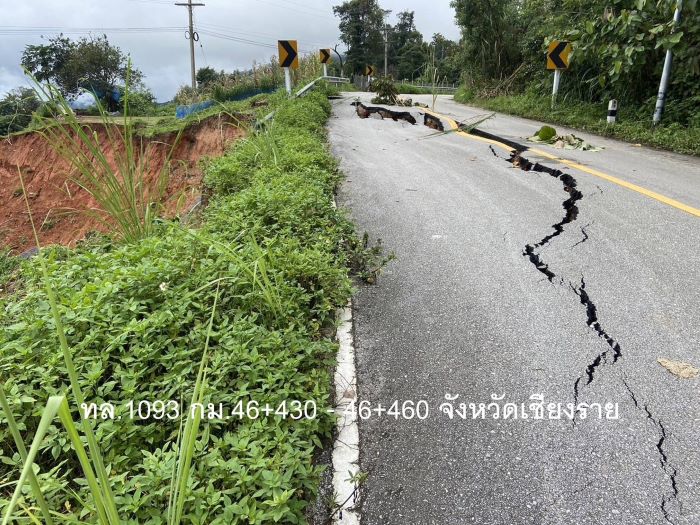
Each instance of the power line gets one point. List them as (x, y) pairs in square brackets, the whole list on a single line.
[(161, 2), (28, 30), (236, 32), (308, 13), (192, 36), (201, 46), (232, 38)]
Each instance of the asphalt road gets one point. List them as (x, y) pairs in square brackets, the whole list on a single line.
[(464, 310)]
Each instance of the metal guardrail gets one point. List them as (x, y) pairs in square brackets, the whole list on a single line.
[(429, 87), (330, 80), (303, 91)]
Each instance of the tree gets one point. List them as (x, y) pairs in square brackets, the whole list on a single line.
[(412, 60), (407, 51), (91, 63), (16, 110), (361, 25), (207, 75), (490, 36), (446, 57)]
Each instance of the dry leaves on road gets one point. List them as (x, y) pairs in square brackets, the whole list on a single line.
[(677, 368)]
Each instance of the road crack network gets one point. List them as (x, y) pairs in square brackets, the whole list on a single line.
[(666, 466), (613, 353)]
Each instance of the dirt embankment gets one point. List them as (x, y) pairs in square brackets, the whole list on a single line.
[(60, 207)]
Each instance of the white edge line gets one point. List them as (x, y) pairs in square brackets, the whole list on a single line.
[(346, 449)]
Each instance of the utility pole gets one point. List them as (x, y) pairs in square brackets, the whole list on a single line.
[(192, 36), (386, 50), (666, 74)]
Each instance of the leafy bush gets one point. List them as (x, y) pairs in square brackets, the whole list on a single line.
[(137, 316), (409, 89), (16, 110), (385, 89), (7, 266)]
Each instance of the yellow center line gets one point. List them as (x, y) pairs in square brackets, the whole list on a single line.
[(615, 180)]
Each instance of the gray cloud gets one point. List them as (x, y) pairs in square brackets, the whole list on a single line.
[(164, 56)]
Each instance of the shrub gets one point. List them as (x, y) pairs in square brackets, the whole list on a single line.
[(16, 110)]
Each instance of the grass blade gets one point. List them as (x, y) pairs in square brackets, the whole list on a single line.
[(17, 436), (47, 416)]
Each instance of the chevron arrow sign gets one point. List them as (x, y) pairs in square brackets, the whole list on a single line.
[(288, 53), (558, 55)]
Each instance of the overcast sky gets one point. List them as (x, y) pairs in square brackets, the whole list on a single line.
[(162, 51)]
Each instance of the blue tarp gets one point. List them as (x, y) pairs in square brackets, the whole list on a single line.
[(251, 93), (185, 111)]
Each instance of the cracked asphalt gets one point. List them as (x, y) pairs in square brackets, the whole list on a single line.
[(464, 310)]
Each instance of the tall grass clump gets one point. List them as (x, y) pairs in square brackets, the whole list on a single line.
[(120, 186)]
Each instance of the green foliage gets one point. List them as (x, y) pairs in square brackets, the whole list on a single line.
[(546, 133), (490, 35), (91, 63), (142, 102), (385, 89), (447, 58), (16, 110), (225, 90), (361, 25), (408, 52), (127, 200), (8, 264), (619, 48), (275, 252), (206, 75)]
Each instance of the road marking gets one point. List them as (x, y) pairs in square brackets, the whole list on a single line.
[(615, 180), (346, 451)]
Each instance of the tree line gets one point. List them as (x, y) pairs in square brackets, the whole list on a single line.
[(619, 46)]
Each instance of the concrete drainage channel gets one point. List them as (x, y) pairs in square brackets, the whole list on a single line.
[(613, 351)]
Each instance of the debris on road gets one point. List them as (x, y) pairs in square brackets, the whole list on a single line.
[(679, 369), (548, 135), (367, 111)]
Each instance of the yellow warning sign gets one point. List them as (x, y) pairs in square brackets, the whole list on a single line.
[(288, 53)]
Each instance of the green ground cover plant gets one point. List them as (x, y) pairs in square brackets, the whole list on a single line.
[(633, 123), (250, 295)]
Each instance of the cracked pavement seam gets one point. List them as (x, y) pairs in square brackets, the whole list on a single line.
[(531, 252)]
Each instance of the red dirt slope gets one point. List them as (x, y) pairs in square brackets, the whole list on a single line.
[(58, 205)]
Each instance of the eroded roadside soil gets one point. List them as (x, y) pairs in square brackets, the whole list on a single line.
[(60, 207)]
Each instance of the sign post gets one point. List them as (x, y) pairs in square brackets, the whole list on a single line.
[(557, 60), (369, 71), (666, 73), (288, 58), (612, 111), (325, 57)]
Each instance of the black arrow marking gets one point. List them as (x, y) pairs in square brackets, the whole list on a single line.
[(370, 71), (325, 56), (555, 55), (291, 53)]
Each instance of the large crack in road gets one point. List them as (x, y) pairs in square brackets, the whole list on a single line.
[(531, 252), (613, 353)]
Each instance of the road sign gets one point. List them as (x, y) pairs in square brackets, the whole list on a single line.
[(369, 71), (558, 55), (288, 53), (324, 55)]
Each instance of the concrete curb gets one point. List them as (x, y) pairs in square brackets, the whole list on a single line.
[(346, 450)]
